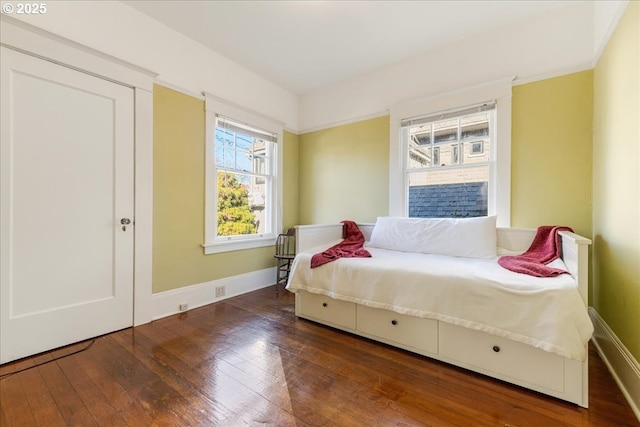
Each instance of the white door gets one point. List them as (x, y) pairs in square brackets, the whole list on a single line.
[(66, 183)]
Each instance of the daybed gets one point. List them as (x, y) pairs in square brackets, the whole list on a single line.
[(460, 310)]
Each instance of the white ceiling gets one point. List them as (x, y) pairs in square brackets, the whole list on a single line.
[(305, 45)]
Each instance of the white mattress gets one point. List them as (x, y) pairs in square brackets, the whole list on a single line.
[(546, 313)]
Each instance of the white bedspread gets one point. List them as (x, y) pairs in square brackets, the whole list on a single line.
[(546, 313)]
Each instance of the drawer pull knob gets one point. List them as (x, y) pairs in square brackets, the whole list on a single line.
[(394, 322), (496, 348), (324, 304)]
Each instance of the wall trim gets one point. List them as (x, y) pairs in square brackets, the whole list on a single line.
[(343, 122), (623, 367), (167, 303), (551, 75), (176, 88)]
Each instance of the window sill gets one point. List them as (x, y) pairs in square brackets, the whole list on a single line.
[(238, 245)]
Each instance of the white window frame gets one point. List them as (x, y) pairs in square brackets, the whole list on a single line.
[(499, 202), (215, 107)]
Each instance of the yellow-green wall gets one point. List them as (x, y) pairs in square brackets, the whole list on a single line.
[(290, 178), (178, 198), (616, 182), (551, 153), (344, 173), (344, 170)]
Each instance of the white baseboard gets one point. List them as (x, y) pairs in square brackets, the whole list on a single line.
[(168, 303), (623, 366)]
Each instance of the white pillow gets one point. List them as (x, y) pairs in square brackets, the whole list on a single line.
[(461, 237)]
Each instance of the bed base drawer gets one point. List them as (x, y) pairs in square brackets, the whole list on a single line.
[(397, 329), (341, 314), (501, 358), (509, 361)]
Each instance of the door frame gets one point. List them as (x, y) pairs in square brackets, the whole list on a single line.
[(25, 38)]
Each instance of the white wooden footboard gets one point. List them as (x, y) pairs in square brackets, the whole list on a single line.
[(497, 357)]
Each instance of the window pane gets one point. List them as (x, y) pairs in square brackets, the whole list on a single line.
[(226, 158), (447, 154), (455, 154), (447, 162), (244, 161), (419, 157), (243, 142), (446, 130), (436, 156), (243, 207), (260, 165), (224, 138), (475, 126), (476, 151), (235, 215), (421, 135), (219, 155), (258, 202), (261, 154), (449, 193)]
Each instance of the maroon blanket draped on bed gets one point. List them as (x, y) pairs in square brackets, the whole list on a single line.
[(544, 249), (351, 247)]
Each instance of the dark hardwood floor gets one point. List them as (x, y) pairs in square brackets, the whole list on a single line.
[(249, 361)]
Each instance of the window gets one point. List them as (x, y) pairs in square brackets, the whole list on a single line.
[(458, 141), (242, 183), (477, 148), (457, 183)]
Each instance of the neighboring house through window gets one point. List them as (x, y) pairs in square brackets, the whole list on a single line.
[(457, 184), (451, 155), (242, 181)]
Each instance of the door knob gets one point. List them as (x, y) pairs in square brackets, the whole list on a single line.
[(125, 222)]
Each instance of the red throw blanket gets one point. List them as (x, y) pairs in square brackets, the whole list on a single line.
[(350, 247), (544, 249)]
